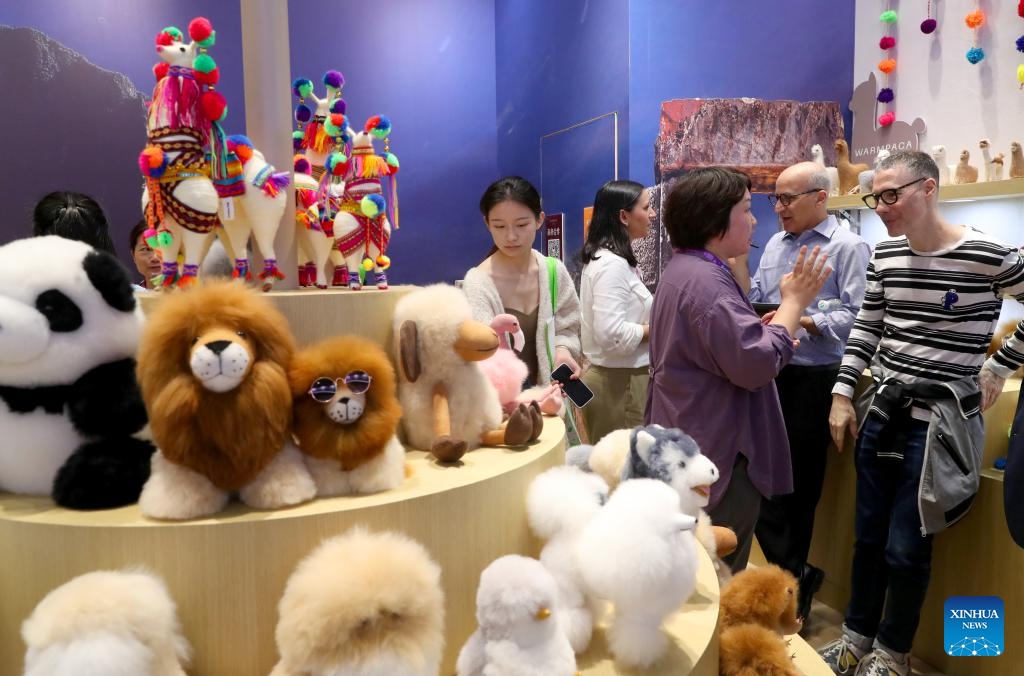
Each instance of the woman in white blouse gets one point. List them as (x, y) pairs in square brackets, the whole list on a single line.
[(615, 309)]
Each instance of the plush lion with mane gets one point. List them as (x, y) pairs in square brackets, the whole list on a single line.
[(212, 367), (348, 435)]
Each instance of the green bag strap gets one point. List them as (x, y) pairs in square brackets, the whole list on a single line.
[(553, 290)]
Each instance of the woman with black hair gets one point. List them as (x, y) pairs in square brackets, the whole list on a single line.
[(615, 309), (73, 215)]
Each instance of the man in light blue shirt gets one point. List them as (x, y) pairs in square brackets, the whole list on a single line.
[(801, 198)]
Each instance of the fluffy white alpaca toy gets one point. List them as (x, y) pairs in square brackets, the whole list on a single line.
[(519, 634), (559, 504), (945, 171), (362, 604), (992, 166), (669, 455), (106, 623), (818, 156), (639, 553)]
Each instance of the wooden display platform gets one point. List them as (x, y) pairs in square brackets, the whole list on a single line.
[(227, 573), (314, 314)]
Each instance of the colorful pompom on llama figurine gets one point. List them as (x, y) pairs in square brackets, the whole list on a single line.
[(321, 126)]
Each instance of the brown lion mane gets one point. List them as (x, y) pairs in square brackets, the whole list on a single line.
[(318, 435), (227, 437)]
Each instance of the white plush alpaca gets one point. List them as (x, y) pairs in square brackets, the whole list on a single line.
[(945, 170), (106, 623), (255, 212), (559, 504), (178, 133), (818, 157), (992, 166), (639, 553), (865, 178), (519, 634)]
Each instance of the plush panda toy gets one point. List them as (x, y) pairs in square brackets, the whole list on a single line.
[(69, 402)]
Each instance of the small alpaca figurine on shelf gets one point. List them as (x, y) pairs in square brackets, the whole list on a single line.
[(945, 171), (848, 172), (867, 177), (255, 199), (993, 166), (362, 227), (313, 239), (1016, 161), (818, 157), (965, 172), (180, 201), (757, 610)]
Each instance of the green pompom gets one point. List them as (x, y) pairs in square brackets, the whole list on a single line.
[(305, 89), (208, 42), (888, 16), (204, 63), (391, 160), (174, 32), (298, 135), (164, 239)]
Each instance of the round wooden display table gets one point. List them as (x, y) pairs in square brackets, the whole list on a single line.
[(227, 573), (314, 314)]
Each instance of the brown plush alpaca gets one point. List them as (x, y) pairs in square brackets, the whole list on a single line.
[(965, 173), (213, 372), (347, 432), (848, 173), (758, 607), (1016, 161)]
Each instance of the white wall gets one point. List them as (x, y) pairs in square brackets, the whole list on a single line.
[(961, 103)]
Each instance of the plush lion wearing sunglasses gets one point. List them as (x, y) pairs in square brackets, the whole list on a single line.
[(346, 414), (213, 368)]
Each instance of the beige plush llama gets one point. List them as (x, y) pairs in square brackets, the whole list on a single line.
[(993, 166), (1016, 161), (939, 155), (818, 157), (848, 173), (965, 172)]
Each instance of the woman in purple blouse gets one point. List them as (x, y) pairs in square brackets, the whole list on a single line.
[(713, 359)]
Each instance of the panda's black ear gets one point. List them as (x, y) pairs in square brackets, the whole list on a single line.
[(111, 279)]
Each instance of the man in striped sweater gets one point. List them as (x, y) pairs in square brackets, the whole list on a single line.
[(933, 295)]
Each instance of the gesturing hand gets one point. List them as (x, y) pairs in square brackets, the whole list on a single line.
[(808, 276)]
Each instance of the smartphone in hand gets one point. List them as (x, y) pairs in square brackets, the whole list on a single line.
[(576, 390)]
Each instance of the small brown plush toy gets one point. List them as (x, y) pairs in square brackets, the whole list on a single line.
[(758, 608), (346, 415), (849, 174)]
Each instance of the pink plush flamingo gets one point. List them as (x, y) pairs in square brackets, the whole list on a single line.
[(506, 371)]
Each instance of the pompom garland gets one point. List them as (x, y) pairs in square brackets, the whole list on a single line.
[(975, 20), (886, 66), (1020, 46)]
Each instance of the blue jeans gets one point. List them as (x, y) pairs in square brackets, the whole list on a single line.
[(891, 558)]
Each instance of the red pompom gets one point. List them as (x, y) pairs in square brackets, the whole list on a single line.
[(1020, 9), (160, 70), (214, 105), (199, 28), (886, 119), (371, 123), (163, 38), (888, 42), (338, 120), (208, 79)]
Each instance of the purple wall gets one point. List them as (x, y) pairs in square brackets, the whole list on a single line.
[(85, 147), (429, 66), (796, 49), (558, 64)]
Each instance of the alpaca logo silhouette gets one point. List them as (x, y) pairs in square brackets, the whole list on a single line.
[(868, 137)]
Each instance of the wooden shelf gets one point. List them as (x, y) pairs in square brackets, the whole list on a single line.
[(227, 573), (968, 192)]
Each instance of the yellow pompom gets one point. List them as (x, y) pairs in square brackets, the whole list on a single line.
[(383, 262), (1020, 74), (367, 264)]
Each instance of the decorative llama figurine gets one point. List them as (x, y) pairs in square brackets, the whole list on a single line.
[(939, 155), (992, 166), (319, 135), (848, 172), (314, 235), (181, 201), (257, 198), (818, 157), (362, 228), (965, 172)]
